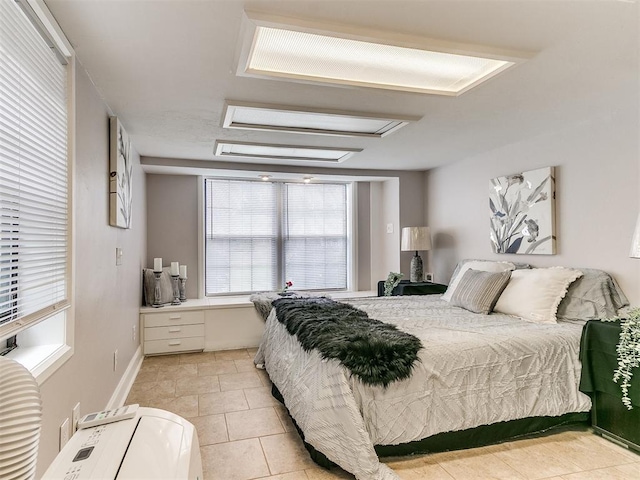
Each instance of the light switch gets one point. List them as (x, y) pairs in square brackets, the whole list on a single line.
[(118, 256), (389, 227)]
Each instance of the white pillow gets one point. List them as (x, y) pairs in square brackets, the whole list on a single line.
[(535, 294), (482, 265)]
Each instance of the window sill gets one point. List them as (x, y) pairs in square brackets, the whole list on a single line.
[(42, 360)]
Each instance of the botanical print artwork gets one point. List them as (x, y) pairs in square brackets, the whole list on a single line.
[(522, 212), (120, 181)]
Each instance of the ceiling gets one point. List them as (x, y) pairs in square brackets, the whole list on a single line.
[(166, 68)]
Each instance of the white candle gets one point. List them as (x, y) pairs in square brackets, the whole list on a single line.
[(183, 271), (175, 269), (157, 264)]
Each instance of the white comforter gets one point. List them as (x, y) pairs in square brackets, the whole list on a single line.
[(474, 370)]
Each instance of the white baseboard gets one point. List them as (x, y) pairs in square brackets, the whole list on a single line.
[(124, 386)]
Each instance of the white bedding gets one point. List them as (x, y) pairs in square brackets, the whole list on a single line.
[(474, 370)]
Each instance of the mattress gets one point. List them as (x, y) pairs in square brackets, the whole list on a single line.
[(473, 370)]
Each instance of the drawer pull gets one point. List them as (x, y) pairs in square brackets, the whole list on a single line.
[(175, 316), (173, 343), (175, 329)]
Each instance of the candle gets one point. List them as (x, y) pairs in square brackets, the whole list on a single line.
[(183, 271), (157, 264), (175, 269)]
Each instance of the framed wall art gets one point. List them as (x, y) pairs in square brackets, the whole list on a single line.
[(120, 176), (522, 211)]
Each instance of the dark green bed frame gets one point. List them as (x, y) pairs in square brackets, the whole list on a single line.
[(470, 438)]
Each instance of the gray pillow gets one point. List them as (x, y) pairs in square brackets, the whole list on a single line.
[(479, 291), (166, 289), (593, 296), (463, 261)]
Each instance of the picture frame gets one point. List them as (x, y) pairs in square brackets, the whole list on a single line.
[(120, 175), (522, 212)]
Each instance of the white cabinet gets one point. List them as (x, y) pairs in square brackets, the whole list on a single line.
[(172, 331)]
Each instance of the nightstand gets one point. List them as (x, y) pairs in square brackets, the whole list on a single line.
[(405, 287), (609, 417)]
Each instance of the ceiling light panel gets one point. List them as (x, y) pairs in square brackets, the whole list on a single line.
[(263, 151), (296, 52), (319, 122)]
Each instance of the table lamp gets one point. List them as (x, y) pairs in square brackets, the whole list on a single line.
[(415, 239)]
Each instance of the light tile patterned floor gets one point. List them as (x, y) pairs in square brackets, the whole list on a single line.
[(245, 433)]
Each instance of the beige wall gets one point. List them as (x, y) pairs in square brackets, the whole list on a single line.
[(172, 224), (107, 297), (363, 227), (597, 180)]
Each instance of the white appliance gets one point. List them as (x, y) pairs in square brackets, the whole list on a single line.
[(153, 445)]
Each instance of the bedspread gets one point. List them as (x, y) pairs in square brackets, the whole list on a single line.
[(474, 370)]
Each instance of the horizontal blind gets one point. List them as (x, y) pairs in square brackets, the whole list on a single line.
[(315, 235), (34, 228), (241, 231)]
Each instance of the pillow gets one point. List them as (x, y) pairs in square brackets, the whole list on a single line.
[(166, 289), (478, 291), (593, 296), (535, 294), (483, 265)]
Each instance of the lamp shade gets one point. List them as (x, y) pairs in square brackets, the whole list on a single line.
[(415, 238), (635, 243)]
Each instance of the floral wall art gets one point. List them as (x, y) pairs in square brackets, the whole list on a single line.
[(120, 172), (522, 209)]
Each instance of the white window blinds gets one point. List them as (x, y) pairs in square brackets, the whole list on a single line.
[(241, 236), (315, 236), (34, 241), (261, 234)]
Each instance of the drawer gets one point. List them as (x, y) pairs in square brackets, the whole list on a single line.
[(166, 319), (173, 345), (174, 331)]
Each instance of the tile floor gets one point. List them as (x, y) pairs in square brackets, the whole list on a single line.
[(245, 434)]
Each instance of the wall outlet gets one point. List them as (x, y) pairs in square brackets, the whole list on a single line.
[(75, 418), (115, 360), (428, 277), (64, 433), (133, 335), (389, 227)]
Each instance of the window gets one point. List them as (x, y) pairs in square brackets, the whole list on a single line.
[(34, 176), (261, 234)]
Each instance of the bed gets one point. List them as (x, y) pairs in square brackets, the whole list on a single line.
[(473, 370)]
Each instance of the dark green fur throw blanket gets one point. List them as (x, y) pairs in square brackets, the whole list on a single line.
[(375, 352)]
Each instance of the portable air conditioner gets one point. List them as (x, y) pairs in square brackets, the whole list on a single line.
[(153, 445)]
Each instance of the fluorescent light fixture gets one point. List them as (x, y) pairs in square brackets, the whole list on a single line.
[(307, 51), (265, 151), (279, 118)]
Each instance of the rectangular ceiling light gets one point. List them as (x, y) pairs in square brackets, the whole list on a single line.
[(265, 151), (276, 118), (305, 53)]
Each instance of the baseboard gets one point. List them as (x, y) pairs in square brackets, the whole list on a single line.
[(124, 386)]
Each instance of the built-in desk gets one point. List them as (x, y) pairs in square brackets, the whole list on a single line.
[(210, 324)]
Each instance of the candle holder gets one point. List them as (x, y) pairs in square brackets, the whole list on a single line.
[(182, 287), (176, 292), (157, 295)]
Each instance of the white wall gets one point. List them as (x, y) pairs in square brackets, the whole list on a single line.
[(597, 179), (107, 297)]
